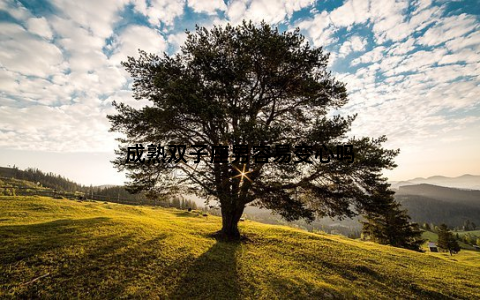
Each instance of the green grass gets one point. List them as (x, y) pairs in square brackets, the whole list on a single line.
[(471, 232), (103, 251)]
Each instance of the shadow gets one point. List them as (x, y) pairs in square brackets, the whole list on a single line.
[(213, 275), (120, 267), (186, 214), (34, 239), (66, 252)]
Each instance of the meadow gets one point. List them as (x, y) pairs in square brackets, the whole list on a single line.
[(59, 248)]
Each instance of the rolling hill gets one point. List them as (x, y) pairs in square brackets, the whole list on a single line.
[(436, 204), (57, 248)]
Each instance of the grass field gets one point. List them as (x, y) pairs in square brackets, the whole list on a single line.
[(53, 248)]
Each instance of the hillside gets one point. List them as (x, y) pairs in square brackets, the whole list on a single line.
[(453, 195), (48, 180), (54, 248), (35, 182), (436, 204)]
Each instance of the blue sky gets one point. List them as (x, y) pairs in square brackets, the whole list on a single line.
[(412, 70)]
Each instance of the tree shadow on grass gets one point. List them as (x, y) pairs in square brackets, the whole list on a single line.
[(188, 214), (213, 275), (34, 239), (64, 252)]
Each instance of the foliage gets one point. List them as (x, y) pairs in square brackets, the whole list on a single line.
[(426, 226), (249, 85), (446, 240), (389, 224), (468, 225)]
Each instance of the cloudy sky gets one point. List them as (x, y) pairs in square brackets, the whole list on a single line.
[(412, 69)]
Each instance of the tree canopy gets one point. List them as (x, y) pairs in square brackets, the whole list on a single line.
[(388, 224), (249, 85), (446, 240)]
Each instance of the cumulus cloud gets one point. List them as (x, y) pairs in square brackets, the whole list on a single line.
[(62, 70), (351, 12), (207, 6), (40, 27), (95, 16), (160, 11), (82, 129), (270, 11), (320, 29), (354, 44), (137, 37), (22, 52), (448, 29)]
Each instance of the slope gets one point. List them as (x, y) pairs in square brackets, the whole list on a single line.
[(52, 248)]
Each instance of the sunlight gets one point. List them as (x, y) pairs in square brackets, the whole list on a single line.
[(242, 173)]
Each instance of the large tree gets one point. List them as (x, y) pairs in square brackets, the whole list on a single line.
[(249, 85)]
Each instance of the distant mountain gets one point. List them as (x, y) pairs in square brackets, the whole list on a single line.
[(466, 181), (437, 204)]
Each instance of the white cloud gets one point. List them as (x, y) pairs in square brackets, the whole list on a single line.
[(465, 56), (373, 55), (82, 129), (160, 11), (8, 82), (24, 53), (137, 37), (59, 73), (40, 27), (448, 29), (351, 12), (354, 44), (320, 29), (470, 41), (404, 47), (296, 5), (177, 39), (15, 9), (207, 6), (236, 10), (95, 16), (270, 11)]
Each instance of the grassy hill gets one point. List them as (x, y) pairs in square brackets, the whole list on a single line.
[(53, 248), (436, 204)]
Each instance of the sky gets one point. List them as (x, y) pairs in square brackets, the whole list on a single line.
[(412, 70)]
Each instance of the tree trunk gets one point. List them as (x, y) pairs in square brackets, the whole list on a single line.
[(230, 218)]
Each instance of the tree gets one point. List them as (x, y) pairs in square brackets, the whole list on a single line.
[(389, 224), (446, 240), (467, 225), (249, 85), (467, 238), (426, 226), (176, 202)]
